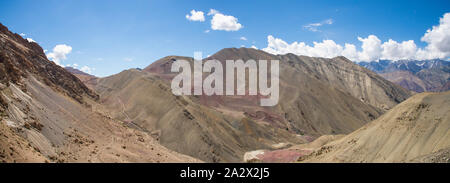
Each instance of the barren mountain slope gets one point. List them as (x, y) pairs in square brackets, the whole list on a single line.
[(218, 128), (436, 78), (181, 123), (46, 114), (14, 148), (351, 78), (338, 72), (18, 58), (317, 95), (441, 156), (412, 131), (87, 79), (406, 80)]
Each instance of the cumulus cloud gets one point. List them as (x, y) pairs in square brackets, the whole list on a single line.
[(59, 53), (326, 48), (372, 48), (87, 69), (30, 40), (438, 39), (243, 38), (350, 52), (212, 12), (220, 21), (314, 26), (398, 51), (72, 65), (196, 16)]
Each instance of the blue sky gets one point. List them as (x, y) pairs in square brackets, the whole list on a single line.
[(111, 36)]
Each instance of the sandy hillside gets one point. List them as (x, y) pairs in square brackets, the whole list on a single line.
[(415, 130)]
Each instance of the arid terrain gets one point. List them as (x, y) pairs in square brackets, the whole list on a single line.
[(414, 75), (330, 110), (318, 97), (417, 130), (48, 115)]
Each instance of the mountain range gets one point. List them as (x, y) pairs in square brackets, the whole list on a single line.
[(414, 75), (318, 96), (327, 105)]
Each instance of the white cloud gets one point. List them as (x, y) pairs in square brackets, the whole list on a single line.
[(59, 53), (220, 21), (372, 48), (438, 39), (350, 52), (398, 51), (87, 69), (30, 40), (254, 47), (128, 59), (212, 12), (72, 65), (243, 38), (326, 48), (314, 26), (207, 31), (196, 16)]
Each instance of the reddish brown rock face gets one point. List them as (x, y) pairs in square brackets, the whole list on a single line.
[(18, 58), (282, 156)]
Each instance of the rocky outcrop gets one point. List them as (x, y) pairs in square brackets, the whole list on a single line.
[(19, 58)]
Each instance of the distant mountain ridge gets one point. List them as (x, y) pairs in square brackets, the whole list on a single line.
[(88, 79), (414, 75)]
